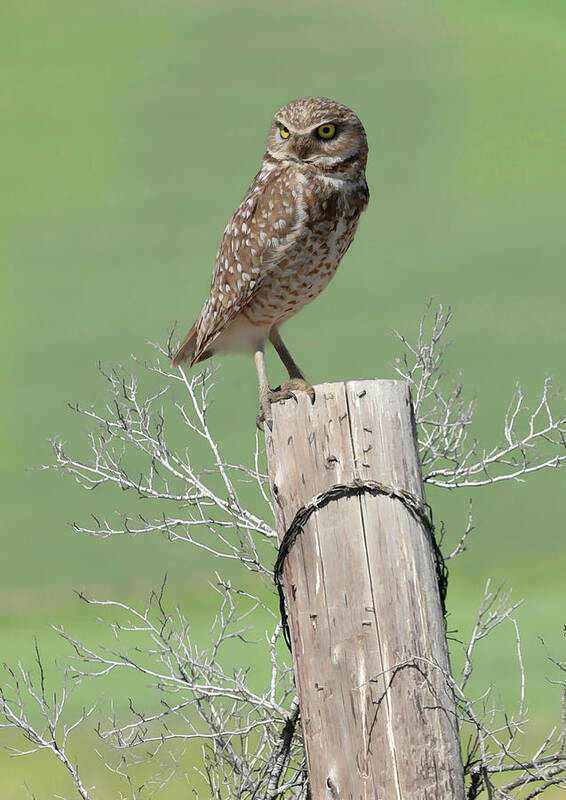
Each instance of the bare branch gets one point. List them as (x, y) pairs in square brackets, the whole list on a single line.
[(493, 749), (51, 733), (533, 438), (214, 519)]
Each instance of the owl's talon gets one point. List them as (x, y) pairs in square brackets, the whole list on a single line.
[(264, 416), (281, 394), (263, 419), (284, 392), (297, 385)]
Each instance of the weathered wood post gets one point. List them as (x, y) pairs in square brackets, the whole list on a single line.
[(366, 622)]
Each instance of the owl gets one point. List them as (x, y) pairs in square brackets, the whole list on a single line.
[(285, 240)]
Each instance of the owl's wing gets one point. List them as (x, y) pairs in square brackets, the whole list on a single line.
[(268, 221)]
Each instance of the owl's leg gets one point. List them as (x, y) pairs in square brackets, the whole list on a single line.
[(268, 396), (297, 381), (264, 412), (285, 356)]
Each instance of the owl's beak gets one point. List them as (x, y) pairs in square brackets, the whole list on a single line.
[(302, 146)]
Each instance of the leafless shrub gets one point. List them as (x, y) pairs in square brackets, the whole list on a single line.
[(252, 745), (494, 760), (27, 706), (533, 438), (245, 730)]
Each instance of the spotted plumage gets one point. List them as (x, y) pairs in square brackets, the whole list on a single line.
[(286, 238)]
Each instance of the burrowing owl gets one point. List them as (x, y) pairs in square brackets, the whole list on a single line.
[(285, 239)]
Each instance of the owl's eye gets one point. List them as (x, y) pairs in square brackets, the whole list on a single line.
[(284, 132), (327, 131)]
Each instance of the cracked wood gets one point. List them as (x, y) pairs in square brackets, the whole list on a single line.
[(368, 633)]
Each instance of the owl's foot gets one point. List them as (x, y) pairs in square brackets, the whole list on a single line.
[(288, 389), (284, 392)]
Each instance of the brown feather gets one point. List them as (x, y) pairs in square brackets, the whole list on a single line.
[(187, 348), (246, 252)]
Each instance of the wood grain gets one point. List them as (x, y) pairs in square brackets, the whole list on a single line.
[(368, 634)]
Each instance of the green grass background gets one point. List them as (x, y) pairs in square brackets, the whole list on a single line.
[(130, 131)]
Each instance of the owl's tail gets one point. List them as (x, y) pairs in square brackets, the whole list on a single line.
[(187, 348)]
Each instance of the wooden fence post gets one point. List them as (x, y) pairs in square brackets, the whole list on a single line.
[(366, 622)]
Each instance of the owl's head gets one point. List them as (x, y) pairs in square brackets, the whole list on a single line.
[(318, 132)]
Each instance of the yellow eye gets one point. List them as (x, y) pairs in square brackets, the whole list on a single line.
[(327, 131), (284, 132)]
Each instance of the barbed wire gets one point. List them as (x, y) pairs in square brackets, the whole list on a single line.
[(419, 510)]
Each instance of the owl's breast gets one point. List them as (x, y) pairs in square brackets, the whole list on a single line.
[(306, 267)]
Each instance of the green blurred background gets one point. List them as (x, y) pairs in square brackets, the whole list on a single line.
[(130, 131)]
